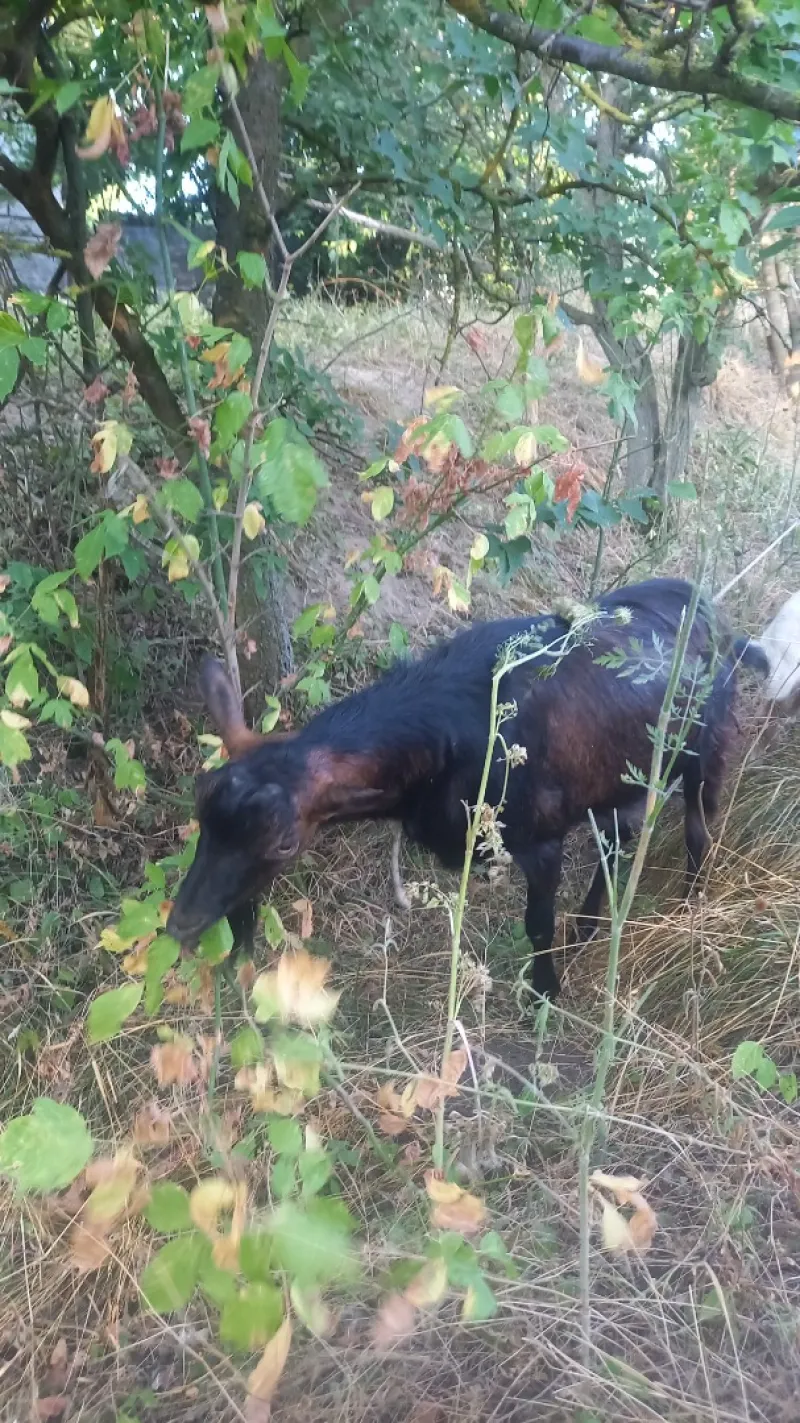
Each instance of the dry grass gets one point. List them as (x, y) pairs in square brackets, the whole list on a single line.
[(704, 1328)]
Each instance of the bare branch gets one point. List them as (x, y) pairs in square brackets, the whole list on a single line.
[(628, 63)]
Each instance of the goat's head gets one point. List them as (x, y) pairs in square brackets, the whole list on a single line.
[(249, 824)]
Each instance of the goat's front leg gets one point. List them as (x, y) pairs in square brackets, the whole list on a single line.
[(542, 869)]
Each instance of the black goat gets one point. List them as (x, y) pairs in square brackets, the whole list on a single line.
[(412, 746)]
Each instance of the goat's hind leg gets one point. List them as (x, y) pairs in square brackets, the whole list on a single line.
[(542, 870)]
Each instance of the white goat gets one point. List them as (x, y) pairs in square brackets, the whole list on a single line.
[(780, 643)]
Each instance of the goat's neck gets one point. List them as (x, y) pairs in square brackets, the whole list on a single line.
[(369, 783)]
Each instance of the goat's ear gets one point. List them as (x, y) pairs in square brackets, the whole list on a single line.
[(350, 803), (226, 712)]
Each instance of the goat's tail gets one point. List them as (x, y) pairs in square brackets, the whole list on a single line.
[(751, 654)]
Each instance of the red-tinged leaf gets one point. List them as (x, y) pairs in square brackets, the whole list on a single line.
[(102, 247), (200, 431), (97, 391), (168, 467)]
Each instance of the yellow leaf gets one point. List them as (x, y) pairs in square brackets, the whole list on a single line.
[(620, 1234), (115, 1179), (135, 963), (429, 1285), (99, 128), (141, 510), (258, 1082), (264, 1379), (525, 450), (589, 370), (310, 1307), (441, 395), (104, 443), (622, 1187), (75, 690), (113, 942), (480, 548), (208, 1201), (178, 567), (253, 521), (204, 250), (453, 1208), (442, 1192), (14, 720), (457, 598), (296, 991), (216, 353)]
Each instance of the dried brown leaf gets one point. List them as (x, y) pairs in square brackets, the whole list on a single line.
[(102, 247), (264, 1379), (88, 1249), (152, 1125), (174, 1062), (52, 1406), (395, 1321)]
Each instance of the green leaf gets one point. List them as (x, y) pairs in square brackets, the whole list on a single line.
[(216, 943), (35, 349), (732, 221), (130, 775), (253, 268), (200, 89), (493, 1247), (310, 1246), (247, 1047), (139, 917), (218, 1284), (299, 74), (161, 955), (549, 435), (22, 682), (229, 417), (184, 496), (168, 1209), (306, 620), (371, 589), (291, 480), (9, 368), (272, 925), (510, 402), (14, 746), (377, 467), (766, 1073), (58, 316), (745, 1059), (199, 133), (168, 1282), (47, 1149), (787, 1086), (89, 551), (108, 1012), (786, 217), (382, 502), (11, 332), (480, 1301), (256, 1256), (282, 1177), (251, 1317), (316, 1169), (285, 1135), (681, 489), (67, 95)]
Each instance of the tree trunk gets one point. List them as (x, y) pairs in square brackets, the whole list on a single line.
[(791, 296), (246, 228), (696, 366), (772, 302), (260, 616)]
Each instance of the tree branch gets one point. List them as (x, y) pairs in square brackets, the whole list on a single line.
[(668, 72)]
